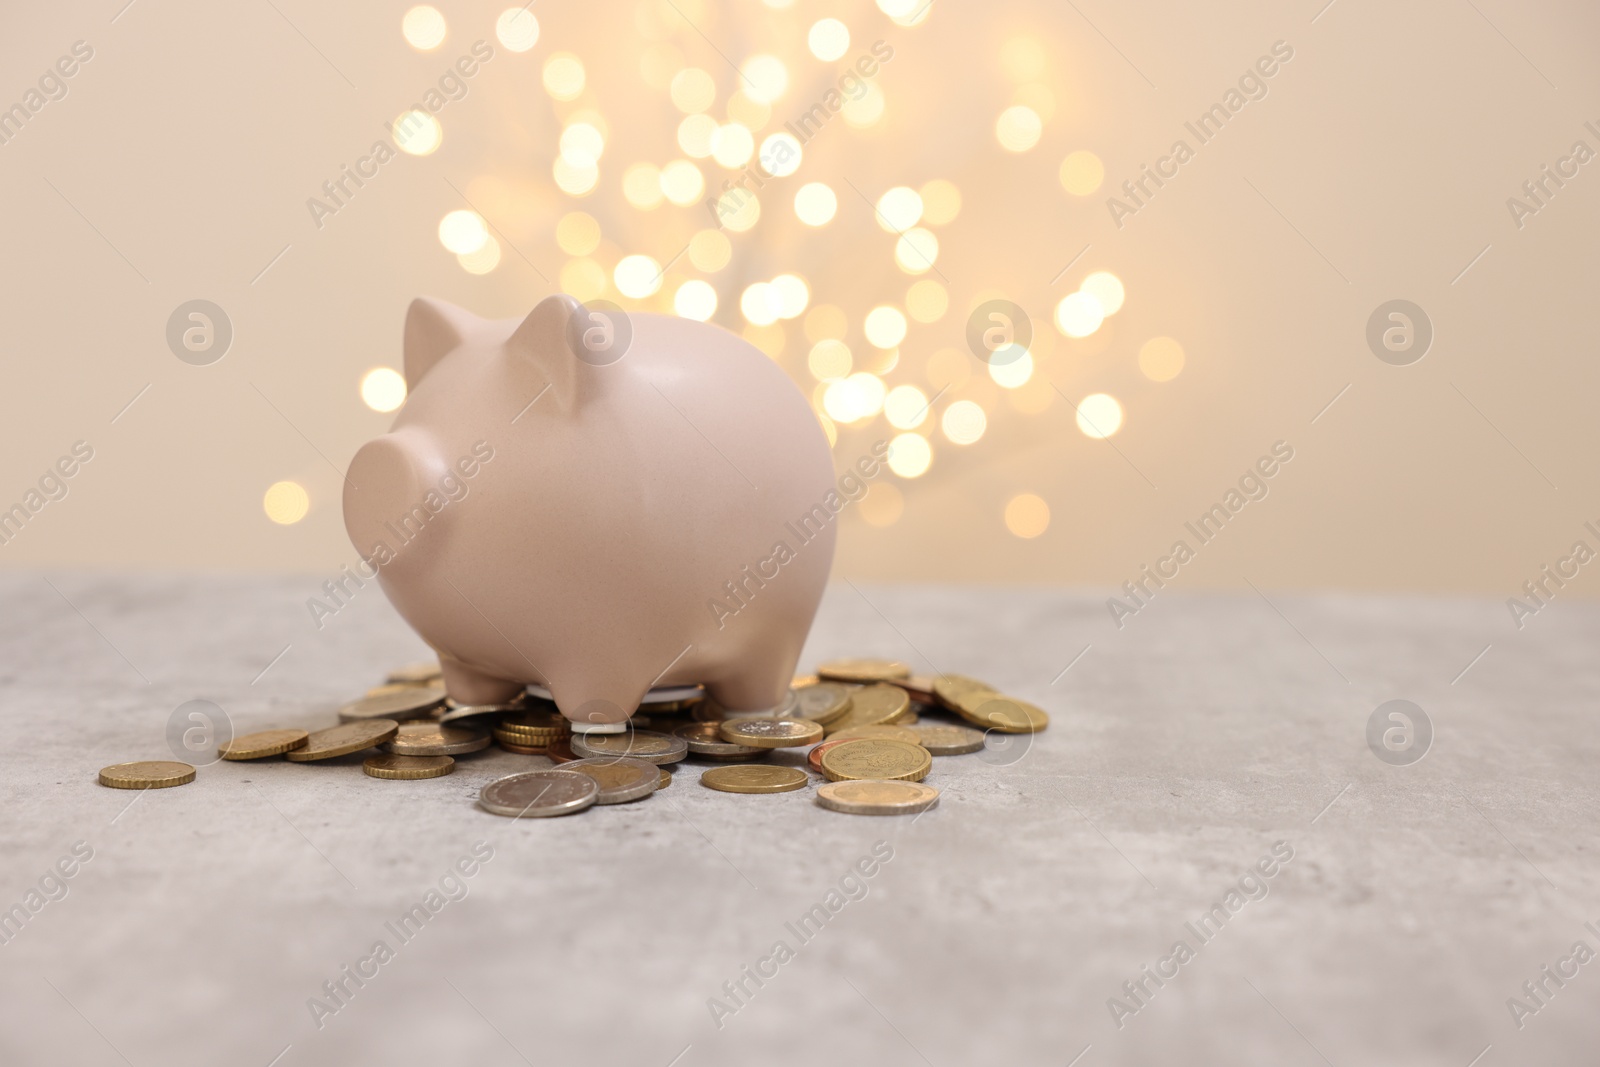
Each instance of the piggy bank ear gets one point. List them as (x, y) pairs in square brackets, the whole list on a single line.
[(434, 329), (553, 338)]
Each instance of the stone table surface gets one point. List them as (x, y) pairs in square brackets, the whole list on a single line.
[(1000, 927)]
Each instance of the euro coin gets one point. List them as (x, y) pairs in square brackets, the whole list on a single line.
[(822, 702), (432, 739), (666, 779), (454, 712), (873, 705), (918, 688), (814, 757), (262, 744), (995, 712), (523, 750), (771, 733), (705, 739), (948, 740), (863, 671), (412, 702), (877, 797), (150, 774), (344, 739), (886, 733), (408, 768), (754, 778), (539, 794), (870, 758), (416, 673), (637, 744), (535, 722), (949, 688), (621, 780), (560, 750)]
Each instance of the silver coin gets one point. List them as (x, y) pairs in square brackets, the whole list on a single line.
[(454, 711), (539, 794), (705, 739), (708, 710), (412, 703), (945, 740), (771, 733), (621, 779), (433, 739), (638, 744)]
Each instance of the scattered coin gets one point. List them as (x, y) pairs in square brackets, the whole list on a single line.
[(803, 680), (873, 705), (539, 794), (754, 778), (344, 739), (948, 688), (621, 780), (262, 744), (666, 779), (536, 722), (814, 757), (877, 797), (871, 758), (771, 733), (885, 733), (863, 670), (705, 739), (918, 688), (416, 673), (560, 750), (454, 712), (995, 712), (639, 744), (946, 740), (522, 750), (432, 739), (412, 702), (822, 702), (150, 774), (408, 768)]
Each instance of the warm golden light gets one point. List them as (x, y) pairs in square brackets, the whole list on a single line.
[(417, 133), (710, 250), (383, 389), (564, 76), (793, 295), (637, 276), (733, 145), (1023, 59), (764, 78), (781, 155), (899, 209), (825, 322), (815, 204), (696, 135), (883, 505), (916, 250), (1018, 128), (693, 91), (285, 503), (1081, 173), (885, 326), (517, 29), (761, 304), (1099, 415), (483, 259), (865, 110), (910, 455), (681, 182), (424, 29), (1161, 359), (695, 299), (463, 231), (829, 360), (572, 179), (941, 202), (1079, 314), (906, 407), (1013, 373), (583, 278), (829, 39), (641, 186), (1106, 288), (577, 234), (582, 144), (1027, 516), (739, 210), (963, 422), (927, 301)]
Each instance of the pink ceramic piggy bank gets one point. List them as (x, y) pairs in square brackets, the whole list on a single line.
[(600, 504)]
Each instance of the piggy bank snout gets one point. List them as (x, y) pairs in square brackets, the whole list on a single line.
[(385, 483)]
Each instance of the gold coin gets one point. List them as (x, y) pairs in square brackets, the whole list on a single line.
[(877, 797), (754, 778), (151, 774), (344, 739), (943, 740), (705, 739), (882, 733), (523, 750), (917, 687), (863, 670), (771, 733), (948, 688), (416, 673), (803, 680), (823, 702), (873, 758), (560, 750), (666, 779), (408, 768), (535, 722), (621, 779), (432, 739), (873, 705), (637, 744), (410, 702), (265, 743), (995, 712)]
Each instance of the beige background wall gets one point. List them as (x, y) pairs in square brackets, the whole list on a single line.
[(1377, 167)]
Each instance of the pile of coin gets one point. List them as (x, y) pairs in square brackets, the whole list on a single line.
[(860, 720)]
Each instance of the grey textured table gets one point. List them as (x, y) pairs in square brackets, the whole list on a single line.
[(1418, 899)]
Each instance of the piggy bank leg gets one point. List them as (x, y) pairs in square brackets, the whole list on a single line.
[(598, 705), (757, 687), (468, 685)]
